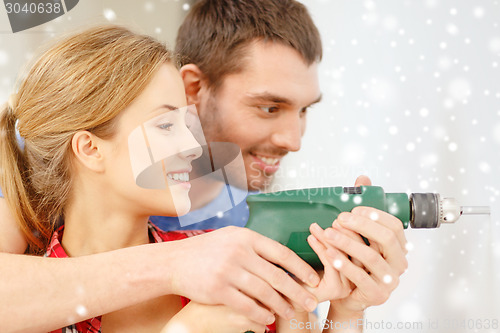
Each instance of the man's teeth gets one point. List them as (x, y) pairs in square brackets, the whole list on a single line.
[(181, 177), (268, 160)]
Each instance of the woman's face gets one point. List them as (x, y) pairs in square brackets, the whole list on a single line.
[(149, 159)]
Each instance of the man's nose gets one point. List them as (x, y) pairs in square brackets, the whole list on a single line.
[(288, 134)]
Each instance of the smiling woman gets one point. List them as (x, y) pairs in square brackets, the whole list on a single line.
[(51, 112), (72, 188), (75, 166)]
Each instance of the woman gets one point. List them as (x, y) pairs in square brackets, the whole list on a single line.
[(76, 109)]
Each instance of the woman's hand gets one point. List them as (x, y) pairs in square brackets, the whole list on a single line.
[(383, 261), (333, 285), (201, 318)]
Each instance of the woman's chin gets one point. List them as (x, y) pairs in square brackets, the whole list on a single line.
[(183, 210), (179, 209)]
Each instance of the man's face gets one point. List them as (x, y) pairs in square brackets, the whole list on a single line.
[(262, 108)]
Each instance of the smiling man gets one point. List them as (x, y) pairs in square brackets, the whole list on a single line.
[(252, 74), (263, 108), (252, 69)]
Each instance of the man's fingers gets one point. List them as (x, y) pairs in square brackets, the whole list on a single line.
[(278, 279), (319, 248), (247, 306), (262, 291), (318, 233), (279, 254)]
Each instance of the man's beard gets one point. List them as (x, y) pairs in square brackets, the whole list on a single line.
[(214, 131)]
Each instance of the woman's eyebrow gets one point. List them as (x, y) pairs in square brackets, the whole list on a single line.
[(167, 106)]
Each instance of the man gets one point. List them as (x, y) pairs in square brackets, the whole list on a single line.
[(252, 87), (248, 92)]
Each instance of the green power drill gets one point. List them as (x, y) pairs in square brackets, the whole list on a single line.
[(286, 216)]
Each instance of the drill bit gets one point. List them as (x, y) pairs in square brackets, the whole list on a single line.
[(475, 210)]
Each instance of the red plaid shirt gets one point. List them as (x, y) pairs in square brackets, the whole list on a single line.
[(93, 325)]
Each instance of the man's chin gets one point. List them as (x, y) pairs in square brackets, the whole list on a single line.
[(259, 184)]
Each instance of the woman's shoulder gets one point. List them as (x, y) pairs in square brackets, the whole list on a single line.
[(166, 236)]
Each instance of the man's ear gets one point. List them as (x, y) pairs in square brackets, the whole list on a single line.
[(85, 146), (193, 82)]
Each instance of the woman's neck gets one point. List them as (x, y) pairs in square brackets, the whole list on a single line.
[(97, 222)]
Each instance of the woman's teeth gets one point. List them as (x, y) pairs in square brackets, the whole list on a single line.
[(268, 160), (181, 177)]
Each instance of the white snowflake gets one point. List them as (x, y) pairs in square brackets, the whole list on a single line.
[(4, 58), (109, 14)]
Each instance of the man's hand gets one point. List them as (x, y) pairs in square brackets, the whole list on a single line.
[(237, 267), (12, 240)]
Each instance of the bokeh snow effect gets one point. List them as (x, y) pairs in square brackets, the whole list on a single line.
[(411, 97)]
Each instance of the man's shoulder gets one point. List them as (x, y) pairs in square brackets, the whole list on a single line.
[(219, 213)]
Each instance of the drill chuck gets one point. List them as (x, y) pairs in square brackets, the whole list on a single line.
[(428, 210)]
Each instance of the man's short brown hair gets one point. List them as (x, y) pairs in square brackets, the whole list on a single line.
[(216, 33)]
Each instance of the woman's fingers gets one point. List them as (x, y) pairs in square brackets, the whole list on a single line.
[(371, 259), (388, 240)]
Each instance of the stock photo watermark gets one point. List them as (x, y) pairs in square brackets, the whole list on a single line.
[(26, 14), (436, 324)]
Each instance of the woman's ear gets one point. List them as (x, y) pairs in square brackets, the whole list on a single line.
[(85, 146), (193, 82)]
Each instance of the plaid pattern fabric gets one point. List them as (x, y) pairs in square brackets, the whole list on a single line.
[(93, 325)]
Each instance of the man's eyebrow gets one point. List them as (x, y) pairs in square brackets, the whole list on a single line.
[(268, 97), (317, 100)]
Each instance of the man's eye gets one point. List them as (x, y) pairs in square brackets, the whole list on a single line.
[(166, 126), (269, 109)]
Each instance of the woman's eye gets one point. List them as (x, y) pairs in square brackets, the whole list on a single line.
[(166, 126), (269, 109)]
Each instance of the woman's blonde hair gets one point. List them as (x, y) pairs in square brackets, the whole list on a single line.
[(81, 83)]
